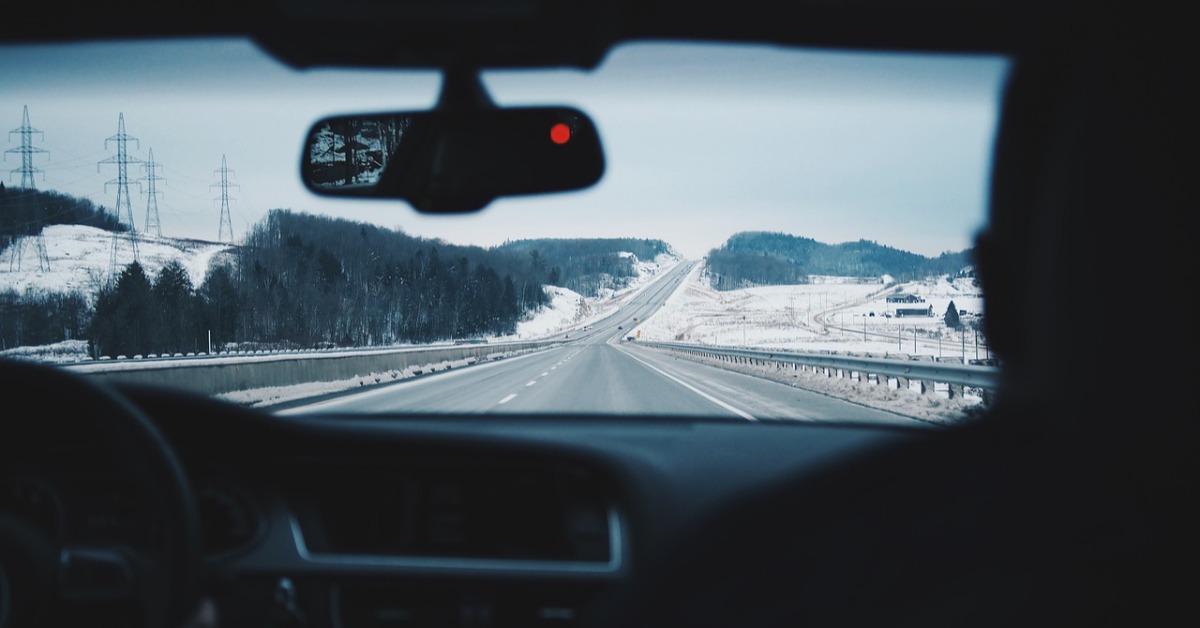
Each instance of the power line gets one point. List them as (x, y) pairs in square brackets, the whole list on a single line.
[(226, 227), (122, 160), (26, 150)]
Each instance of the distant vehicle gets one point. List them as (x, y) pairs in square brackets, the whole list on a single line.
[(631, 338), (620, 327)]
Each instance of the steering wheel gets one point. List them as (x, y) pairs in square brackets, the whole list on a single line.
[(44, 581)]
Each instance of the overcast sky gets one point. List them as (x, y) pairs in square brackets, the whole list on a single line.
[(836, 147)]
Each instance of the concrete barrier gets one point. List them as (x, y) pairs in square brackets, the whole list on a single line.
[(223, 374)]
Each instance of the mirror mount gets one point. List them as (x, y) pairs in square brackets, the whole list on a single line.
[(463, 91)]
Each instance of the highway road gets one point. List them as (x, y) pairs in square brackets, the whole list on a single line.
[(598, 372)]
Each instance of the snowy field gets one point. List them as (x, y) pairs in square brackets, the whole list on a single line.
[(79, 258), (838, 315), (830, 314)]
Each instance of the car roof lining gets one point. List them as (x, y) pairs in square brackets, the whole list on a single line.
[(546, 33)]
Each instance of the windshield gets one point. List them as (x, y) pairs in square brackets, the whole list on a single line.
[(777, 234)]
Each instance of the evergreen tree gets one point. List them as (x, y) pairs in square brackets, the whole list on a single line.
[(123, 323), (175, 298), (952, 320), (220, 305)]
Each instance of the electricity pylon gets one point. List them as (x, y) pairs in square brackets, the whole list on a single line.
[(225, 231), (152, 224), (26, 151), (122, 160)]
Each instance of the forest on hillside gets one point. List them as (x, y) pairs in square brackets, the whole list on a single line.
[(761, 258), (312, 279), (307, 281), (27, 319), (304, 281), (24, 212), (298, 281), (587, 265)]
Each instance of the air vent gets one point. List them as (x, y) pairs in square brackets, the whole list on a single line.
[(473, 510)]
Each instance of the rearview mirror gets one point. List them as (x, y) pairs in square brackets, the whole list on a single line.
[(453, 161)]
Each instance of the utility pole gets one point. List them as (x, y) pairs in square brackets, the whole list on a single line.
[(26, 151), (225, 231), (152, 224), (122, 160)]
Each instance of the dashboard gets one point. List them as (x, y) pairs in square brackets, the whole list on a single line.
[(419, 521)]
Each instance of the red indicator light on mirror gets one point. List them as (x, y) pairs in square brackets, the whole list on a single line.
[(560, 133)]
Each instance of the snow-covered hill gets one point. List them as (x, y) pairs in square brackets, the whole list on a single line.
[(80, 259), (570, 310)]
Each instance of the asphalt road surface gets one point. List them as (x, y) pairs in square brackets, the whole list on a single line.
[(600, 372)]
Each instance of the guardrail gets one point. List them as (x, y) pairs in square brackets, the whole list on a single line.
[(215, 375), (919, 375)]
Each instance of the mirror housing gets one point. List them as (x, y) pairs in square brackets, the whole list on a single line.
[(453, 159)]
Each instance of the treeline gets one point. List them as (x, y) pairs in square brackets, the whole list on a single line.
[(305, 281), (299, 281), (587, 265), (37, 318), (34, 318), (761, 258), (316, 280), (23, 212), (135, 314), (139, 315)]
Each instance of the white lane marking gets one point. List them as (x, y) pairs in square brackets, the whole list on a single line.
[(707, 396), (507, 399), (426, 380), (531, 382), (545, 374)]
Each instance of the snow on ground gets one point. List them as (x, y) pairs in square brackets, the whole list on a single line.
[(830, 314), (568, 310), (78, 258)]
